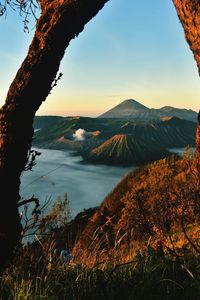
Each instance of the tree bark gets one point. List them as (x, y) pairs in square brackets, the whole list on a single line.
[(198, 150), (60, 22), (189, 14)]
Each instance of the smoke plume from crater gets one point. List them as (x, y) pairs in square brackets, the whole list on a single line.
[(79, 135)]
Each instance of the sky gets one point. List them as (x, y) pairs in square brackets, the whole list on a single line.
[(131, 50)]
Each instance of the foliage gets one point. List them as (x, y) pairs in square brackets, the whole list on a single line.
[(59, 215), (156, 204), (42, 220), (159, 201)]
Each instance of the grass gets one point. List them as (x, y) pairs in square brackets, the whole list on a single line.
[(147, 277)]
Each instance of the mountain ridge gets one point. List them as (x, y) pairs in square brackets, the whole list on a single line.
[(132, 109), (156, 136)]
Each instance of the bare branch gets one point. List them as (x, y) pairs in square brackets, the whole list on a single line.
[(32, 154), (26, 8)]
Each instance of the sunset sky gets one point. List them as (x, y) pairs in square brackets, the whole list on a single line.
[(131, 49)]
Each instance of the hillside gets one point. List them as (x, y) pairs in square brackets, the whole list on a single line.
[(147, 203), (67, 126), (186, 114), (168, 132), (125, 150), (133, 110), (41, 122)]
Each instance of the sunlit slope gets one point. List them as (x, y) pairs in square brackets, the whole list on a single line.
[(148, 202), (125, 149)]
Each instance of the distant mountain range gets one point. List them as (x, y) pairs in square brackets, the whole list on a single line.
[(119, 139), (131, 109)]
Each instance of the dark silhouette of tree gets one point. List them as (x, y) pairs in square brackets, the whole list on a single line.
[(59, 23)]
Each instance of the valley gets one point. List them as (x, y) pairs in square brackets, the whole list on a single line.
[(128, 134), (59, 172)]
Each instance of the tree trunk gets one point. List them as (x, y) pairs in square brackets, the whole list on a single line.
[(189, 14), (60, 22), (198, 149)]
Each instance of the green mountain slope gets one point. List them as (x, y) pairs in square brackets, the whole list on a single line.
[(52, 131), (169, 132), (125, 149), (41, 122), (130, 142)]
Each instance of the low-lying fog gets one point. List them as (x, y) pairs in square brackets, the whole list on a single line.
[(57, 172)]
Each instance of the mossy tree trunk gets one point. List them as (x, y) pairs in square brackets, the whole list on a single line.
[(60, 22)]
